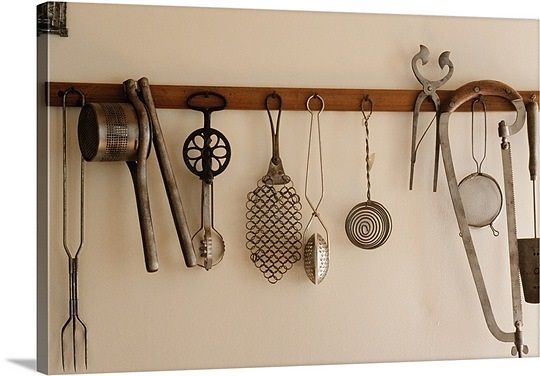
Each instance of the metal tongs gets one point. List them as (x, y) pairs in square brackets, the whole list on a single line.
[(466, 93), (429, 91)]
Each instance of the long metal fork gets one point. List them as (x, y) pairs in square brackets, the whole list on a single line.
[(74, 321)]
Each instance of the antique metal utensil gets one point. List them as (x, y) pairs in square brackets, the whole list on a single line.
[(207, 153), (429, 90), (121, 132), (74, 327), (481, 195), (274, 235), (316, 247), (368, 225), (167, 174), (466, 93), (528, 248)]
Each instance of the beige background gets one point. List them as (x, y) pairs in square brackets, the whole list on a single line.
[(411, 299)]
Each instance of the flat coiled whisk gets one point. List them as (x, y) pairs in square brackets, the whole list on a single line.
[(368, 225)]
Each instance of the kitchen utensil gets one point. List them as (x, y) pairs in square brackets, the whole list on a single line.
[(481, 195), (121, 132), (78, 328), (167, 174), (429, 91), (368, 224), (465, 93), (316, 248), (528, 248), (274, 235), (207, 153)]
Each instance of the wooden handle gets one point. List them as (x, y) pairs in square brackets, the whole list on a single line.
[(532, 133), (473, 89)]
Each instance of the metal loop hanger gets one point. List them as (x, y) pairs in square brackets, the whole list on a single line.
[(480, 100)]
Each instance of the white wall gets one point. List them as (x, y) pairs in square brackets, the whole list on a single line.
[(412, 299)]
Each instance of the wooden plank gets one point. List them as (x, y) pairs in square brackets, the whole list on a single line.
[(252, 98)]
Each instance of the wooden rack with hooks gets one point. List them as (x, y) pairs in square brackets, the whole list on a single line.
[(252, 98)]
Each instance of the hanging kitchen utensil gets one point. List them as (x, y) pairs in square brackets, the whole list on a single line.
[(528, 248), (480, 193), (274, 234), (207, 153), (316, 247), (465, 93), (368, 224), (121, 132), (167, 174), (429, 91), (78, 327)]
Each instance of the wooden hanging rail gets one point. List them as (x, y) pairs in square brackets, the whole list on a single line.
[(252, 98)]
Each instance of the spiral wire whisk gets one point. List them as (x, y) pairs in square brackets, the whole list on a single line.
[(368, 224)]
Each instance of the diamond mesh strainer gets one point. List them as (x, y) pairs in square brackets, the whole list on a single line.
[(273, 212)]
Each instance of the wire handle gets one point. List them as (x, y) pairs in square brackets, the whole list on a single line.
[(274, 128), (315, 118), (65, 179), (367, 100), (480, 100)]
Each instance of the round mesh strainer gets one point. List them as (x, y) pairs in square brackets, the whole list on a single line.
[(482, 199), (480, 193)]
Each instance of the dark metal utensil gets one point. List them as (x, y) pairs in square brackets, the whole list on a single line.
[(274, 235), (368, 225), (528, 248), (207, 154), (167, 174), (121, 132), (78, 327), (429, 91)]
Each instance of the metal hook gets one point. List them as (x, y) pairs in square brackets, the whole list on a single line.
[(315, 96), (366, 99)]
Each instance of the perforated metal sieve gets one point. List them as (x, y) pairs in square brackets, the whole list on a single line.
[(122, 132), (108, 132)]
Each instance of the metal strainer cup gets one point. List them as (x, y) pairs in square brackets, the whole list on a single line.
[(480, 193)]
